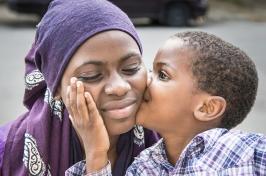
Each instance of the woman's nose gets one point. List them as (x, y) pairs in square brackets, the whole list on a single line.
[(117, 86)]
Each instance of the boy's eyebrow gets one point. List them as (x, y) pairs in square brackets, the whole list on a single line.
[(165, 64)]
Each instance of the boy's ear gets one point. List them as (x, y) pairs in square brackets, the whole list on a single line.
[(211, 108)]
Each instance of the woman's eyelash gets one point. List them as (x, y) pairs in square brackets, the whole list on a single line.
[(89, 78), (131, 71)]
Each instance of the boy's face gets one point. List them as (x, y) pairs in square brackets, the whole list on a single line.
[(171, 96)]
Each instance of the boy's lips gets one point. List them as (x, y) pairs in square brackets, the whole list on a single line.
[(119, 109)]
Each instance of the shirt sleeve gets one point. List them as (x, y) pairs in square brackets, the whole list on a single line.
[(80, 170), (135, 169), (260, 157)]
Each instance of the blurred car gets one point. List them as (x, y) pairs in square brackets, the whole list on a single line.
[(168, 12)]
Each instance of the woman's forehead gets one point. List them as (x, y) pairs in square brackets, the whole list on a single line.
[(108, 44), (111, 38)]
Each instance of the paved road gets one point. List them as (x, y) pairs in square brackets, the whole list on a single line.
[(15, 42)]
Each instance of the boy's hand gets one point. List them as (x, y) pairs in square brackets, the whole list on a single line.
[(88, 124)]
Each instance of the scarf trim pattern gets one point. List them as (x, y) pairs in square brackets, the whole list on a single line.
[(33, 79), (55, 105), (31, 158), (138, 135)]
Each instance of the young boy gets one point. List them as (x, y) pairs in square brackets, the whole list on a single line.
[(201, 88)]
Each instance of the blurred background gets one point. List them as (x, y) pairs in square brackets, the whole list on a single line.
[(241, 22)]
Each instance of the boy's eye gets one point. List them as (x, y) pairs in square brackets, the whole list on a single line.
[(91, 78), (163, 76), (131, 71)]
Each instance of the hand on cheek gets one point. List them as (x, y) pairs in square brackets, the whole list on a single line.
[(88, 124)]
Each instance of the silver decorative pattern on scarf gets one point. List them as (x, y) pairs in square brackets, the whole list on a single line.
[(33, 79), (32, 159), (138, 135), (48, 171), (56, 105)]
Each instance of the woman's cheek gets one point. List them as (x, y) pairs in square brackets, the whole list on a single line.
[(95, 92), (141, 80)]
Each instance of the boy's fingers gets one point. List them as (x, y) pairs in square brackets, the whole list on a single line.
[(81, 102), (93, 111), (73, 97), (67, 103)]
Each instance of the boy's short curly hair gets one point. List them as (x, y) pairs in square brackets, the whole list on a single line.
[(222, 69)]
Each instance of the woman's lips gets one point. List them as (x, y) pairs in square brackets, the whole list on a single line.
[(119, 109)]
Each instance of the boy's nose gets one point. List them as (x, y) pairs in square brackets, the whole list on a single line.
[(117, 86), (149, 78), (146, 96)]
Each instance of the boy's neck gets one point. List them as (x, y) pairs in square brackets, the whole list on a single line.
[(175, 144), (176, 141)]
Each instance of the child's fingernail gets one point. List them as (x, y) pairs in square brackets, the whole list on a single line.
[(87, 94), (79, 83), (73, 80)]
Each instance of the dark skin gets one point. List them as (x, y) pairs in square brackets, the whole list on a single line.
[(184, 110), (102, 88)]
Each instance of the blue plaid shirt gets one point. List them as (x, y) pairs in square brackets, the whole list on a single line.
[(213, 152)]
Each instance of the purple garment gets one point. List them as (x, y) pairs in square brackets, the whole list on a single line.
[(42, 141), (3, 136)]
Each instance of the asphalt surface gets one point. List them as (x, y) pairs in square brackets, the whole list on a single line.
[(16, 39)]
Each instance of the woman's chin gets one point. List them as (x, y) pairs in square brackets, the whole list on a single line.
[(120, 128)]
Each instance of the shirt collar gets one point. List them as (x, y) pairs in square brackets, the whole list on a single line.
[(158, 153), (200, 144)]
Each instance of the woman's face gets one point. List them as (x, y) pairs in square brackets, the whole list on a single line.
[(111, 68)]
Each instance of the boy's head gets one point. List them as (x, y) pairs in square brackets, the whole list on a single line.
[(223, 81)]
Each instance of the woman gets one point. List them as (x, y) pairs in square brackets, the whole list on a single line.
[(94, 42)]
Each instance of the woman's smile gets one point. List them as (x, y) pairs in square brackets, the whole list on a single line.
[(119, 109)]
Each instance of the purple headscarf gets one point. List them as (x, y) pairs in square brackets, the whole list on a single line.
[(42, 141)]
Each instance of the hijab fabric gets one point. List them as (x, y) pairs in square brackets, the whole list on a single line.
[(42, 141)]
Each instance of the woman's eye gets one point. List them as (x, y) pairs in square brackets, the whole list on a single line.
[(163, 76), (131, 71), (92, 78)]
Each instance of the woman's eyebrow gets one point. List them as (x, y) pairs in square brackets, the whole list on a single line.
[(92, 62), (129, 55)]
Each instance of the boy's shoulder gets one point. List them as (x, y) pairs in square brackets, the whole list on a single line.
[(235, 147), (238, 137)]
